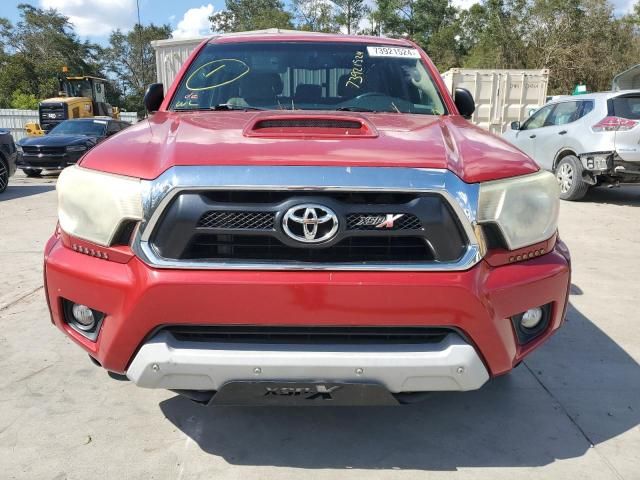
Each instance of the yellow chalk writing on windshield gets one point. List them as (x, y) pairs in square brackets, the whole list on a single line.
[(223, 72)]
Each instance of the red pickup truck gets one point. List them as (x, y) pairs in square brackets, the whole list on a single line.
[(307, 219)]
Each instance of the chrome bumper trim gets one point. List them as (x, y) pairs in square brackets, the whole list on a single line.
[(158, 193)]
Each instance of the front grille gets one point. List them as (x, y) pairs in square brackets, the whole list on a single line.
[(350, 250), (31, 150), (373, 221), (238, 220), (226, 227), (309, 335), (51, 114)]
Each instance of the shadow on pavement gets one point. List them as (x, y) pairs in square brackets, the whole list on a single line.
[(512, 421), (20, 191), (624, 195)]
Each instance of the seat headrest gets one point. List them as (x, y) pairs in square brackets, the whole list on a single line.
[(261, 85), (308, 93)]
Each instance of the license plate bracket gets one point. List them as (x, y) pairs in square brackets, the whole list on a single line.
[(240, 393)]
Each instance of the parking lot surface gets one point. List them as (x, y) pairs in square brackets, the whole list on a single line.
[(572, 410)]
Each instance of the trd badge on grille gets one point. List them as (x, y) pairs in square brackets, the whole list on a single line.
[(378, 221), (310, 223)]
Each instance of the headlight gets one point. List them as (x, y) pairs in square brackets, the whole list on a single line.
[(76, 148), (92, 204), (525, 209), (18, 149)]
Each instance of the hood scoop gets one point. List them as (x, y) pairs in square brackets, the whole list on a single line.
[(309, 126)]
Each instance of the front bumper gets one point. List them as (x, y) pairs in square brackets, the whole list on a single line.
[(138, 299), (610, 165), (165, 362), (48, 161)]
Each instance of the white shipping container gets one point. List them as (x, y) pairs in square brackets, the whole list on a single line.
[(501, 96), (170, 55)]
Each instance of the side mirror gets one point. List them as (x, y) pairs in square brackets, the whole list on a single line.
[(153, 97), (515, 125), (464, 102)]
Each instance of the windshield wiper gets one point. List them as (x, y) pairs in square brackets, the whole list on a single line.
[(233, 106), (356, 109), (219, 107)]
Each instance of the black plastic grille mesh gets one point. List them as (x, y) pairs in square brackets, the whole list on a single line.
[(309, 335), (352, 249), (370, 221), (45, 150), (238, 220), (307, 123)]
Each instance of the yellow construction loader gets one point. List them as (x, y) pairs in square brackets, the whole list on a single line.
[(78, 97)]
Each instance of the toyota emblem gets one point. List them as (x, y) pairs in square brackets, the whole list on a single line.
[(310, 223)]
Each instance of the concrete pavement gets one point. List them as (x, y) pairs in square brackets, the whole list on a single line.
[(572, 410)]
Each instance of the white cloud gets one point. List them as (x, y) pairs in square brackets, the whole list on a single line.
[(96, 18), (194, 23), (622, 7), (464, 4)]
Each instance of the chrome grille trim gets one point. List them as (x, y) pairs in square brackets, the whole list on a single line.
[(158, 193)]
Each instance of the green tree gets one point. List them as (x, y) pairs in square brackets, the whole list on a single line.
[(27, 101), (33, 52), (315, 16), (130, 59), (351, 12), (242, 15), (495, 34), (577, 40), (433, 24)]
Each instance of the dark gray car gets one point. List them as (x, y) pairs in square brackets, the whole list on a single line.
[(64, 144), (7, 158)]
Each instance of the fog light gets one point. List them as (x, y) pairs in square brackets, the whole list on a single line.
[(531, 318), (531, 323), (83, 317)]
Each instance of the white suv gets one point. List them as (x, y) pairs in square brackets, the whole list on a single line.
[(586, 140)]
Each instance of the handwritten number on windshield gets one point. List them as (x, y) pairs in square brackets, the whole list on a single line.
[(356, 75)]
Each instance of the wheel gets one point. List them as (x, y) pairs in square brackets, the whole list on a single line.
[(32, 172), (4, 175), (569, 176)]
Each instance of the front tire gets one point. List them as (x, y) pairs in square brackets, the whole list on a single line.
[(4, 175), (32, 172), (569, 175)]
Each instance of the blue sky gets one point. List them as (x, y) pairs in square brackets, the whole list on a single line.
[(95, 19)]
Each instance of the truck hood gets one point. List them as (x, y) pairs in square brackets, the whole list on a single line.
[(167, 139)]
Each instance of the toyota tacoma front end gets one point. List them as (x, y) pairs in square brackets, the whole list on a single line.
[(307, 219)]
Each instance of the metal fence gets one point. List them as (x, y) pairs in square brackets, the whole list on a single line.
[(14, 120)]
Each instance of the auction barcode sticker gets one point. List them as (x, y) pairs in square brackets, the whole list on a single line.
[(396, 52)]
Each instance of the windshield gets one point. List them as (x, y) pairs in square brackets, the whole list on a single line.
[(308, 76), (93, 128), (79, 88)]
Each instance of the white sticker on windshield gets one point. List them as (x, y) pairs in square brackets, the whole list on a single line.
[(101, 122), (395, 52)]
